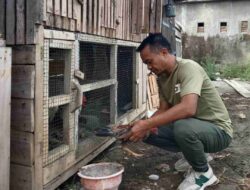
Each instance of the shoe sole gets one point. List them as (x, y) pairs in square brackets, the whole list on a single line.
[(213, 181)]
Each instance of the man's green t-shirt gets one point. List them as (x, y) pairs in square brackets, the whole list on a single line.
[(189, 77)]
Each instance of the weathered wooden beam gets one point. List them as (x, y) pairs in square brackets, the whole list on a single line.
[(23, 81), (24, 54), (33, 14), (22, 115), (96, 85), (38, 111), (64, 8), (10, 19), (20, 21), (158, 20), (152, 16), (21, 177), (5, 93), (22, 148)]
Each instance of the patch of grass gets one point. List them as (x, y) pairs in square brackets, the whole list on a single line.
[(208, 63), (241, 71)]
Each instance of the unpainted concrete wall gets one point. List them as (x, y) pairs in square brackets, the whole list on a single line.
[(227, 47)]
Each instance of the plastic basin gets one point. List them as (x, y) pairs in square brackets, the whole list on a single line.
[(101, 176)]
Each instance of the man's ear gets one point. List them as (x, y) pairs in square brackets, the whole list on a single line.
[(164, 51)]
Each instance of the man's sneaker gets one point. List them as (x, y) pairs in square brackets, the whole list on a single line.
[(182, 165), (198, 180)]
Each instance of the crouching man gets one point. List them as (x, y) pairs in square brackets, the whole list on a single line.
[(191, 119)]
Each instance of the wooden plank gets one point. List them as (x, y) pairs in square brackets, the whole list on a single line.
[(66, 23), (89, 16), (23, 81), (146, 16), (58, 22), (115, 7), (5, 93), (99, 17), (95, 16), (10, 19), (22, 115), (152, 16), (129, 20), (77, 14), (150, 104), (22, 148), (50, 8), (102, 17), (239, 88), (84, 16), (123, 19), (32, 16), (61, 35), (119, 20), (108, 14), (112, 15), (57, 7), (21, 177), (23, 54), (2, 19), (64, 8), (70, 8), (140, 16), (134, 17), (72, 24), (38, 135), (144, 83), (50, 21), (158, 19), (140, 87)]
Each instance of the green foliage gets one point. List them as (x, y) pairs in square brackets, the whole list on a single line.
[(241, 71), (208, 63)]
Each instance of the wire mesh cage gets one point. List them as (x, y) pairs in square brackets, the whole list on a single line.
[(95, 112), (95, 61), (125, 79), (56, 127), (57, 61)]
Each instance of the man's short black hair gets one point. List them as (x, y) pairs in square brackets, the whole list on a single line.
[(156, 41)]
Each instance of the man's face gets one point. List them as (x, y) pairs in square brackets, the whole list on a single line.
[(153, 60)]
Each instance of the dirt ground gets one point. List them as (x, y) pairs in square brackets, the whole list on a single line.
[(231, 166)]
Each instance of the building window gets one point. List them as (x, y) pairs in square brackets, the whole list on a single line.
[(200, 27), (223, 27), (244, 26)]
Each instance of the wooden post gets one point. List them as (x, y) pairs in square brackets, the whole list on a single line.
[(10, 19), (2, 19), (20, 22), (5, 93)]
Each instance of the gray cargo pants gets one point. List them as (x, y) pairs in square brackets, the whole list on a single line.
[(192, 137)]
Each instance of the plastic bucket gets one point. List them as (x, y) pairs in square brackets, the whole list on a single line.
[(101, 176)]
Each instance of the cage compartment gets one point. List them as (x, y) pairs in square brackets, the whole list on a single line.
[(125, 79), (95, 112), (57, 61), (94, 62)]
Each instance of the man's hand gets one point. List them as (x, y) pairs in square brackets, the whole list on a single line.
[(138, 131)]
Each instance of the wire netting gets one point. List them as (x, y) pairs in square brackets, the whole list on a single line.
[(56, 127), (95, 62), (57, 60), (125, 79), (95, 112)]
